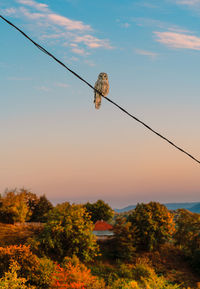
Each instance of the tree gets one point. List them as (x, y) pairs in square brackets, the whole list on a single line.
[(13, 207), (31, 201), (123, 245), (154, 225), (187, 235), (23, 205), (68, 232), (17, 205), (99, 211), (41, 209)]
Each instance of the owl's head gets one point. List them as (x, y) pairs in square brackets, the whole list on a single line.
[(103, 76)]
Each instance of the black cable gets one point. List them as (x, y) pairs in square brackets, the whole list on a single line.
[(108, 99)]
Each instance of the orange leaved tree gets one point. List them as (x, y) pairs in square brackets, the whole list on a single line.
[(75, 276)]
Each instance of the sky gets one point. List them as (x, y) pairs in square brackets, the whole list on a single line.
[(54, 142)]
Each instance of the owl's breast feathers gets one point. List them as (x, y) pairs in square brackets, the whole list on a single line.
[(102, 86)]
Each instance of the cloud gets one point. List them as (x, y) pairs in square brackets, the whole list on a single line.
[(93, 42), (178, 40), (80, 51), (39, 6), (146, 53), (19, 78), (125, 25), (89, 62), (9, 11), (188, 2), (51, 17), (43, 88), (148, 22), (62, 85), (73, 45), (74, 58), (56, 28), (67, 23), (179, 30), (29, 15)]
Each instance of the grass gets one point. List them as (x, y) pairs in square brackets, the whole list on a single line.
[(16, 234)]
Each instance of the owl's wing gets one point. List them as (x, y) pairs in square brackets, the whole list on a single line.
[(97, 96), (106, 89), (97, 86)]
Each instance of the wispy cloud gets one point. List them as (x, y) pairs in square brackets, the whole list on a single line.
[(50, 16), (93, 42), (188, 2), (178, 40), (80, 51), (125, 25), (150, 54), (19, 78), (34, 4), (155, 24), (8, 11), (31, 16), (89, 62), (67, 23), (62, 85), (74, 34), (43, 88)]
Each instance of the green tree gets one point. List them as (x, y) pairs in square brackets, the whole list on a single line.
[(99, 211), (123, 245), (187, 235), (154, 225), (68, 232), (41, 210)]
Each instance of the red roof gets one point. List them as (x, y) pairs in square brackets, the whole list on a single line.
[(102, 226)]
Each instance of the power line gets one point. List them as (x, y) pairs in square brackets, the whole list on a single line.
[(108, 99)]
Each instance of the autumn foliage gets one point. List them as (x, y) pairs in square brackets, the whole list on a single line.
[(148, 249), (36, 270), (75, 276), (154, 225)]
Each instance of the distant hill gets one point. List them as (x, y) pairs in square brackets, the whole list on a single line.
[(193, 207)]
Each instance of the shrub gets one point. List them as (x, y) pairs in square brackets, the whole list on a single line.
[(124, 284), (10, 280), (36, 271), (75, 275), (142, 270)]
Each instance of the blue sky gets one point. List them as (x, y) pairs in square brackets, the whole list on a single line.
[(55, 142)]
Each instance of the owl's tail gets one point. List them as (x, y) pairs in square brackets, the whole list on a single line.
[(97, 101)]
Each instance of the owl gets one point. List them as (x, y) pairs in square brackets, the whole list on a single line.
[(101, 85)]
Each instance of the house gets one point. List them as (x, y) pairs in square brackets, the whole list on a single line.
[(102, 230)]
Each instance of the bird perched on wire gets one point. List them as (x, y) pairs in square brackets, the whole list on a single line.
[(102, 85)]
